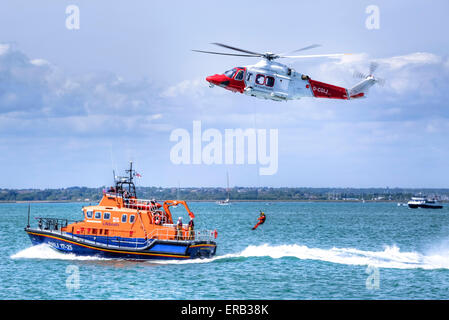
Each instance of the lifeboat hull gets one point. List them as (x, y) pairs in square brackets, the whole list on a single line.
[(154, 250)]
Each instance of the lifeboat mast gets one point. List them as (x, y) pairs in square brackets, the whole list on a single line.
[(121, 183)]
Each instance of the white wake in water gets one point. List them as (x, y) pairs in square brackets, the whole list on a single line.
[(390, 257), (44, 251)]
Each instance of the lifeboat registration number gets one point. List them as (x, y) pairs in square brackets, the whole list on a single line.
[(60, 246)]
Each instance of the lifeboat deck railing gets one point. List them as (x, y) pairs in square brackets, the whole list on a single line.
[(52, 224), (182, 235), (55, 226), (140, 204), (133, 203)]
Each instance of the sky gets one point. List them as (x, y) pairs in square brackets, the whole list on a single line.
[(76, 104)]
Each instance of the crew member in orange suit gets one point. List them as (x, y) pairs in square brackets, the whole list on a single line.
[(262, 219)]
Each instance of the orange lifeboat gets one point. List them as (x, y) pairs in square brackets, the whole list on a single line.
[(126, 227)]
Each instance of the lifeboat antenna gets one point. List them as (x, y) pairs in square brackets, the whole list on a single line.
[(130, 171), (29, 209)]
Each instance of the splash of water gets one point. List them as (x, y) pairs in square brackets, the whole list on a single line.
[(390, 257), (44, 251)]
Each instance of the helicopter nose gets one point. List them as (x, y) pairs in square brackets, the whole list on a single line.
[(218, 79), (213, 80)]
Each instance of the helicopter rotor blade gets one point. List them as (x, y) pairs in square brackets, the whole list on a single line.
[(228, 54), (316, 56), (268, 55), (373, 67), (237, 49), (302, 49), (358, 74)]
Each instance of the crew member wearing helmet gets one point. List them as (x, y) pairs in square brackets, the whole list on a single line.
[(179, 229), (191, 227), (261, 219)]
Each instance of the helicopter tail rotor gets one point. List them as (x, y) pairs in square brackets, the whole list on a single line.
[(372, 68), (361, 88)]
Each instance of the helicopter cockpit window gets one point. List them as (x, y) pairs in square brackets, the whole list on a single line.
[(239, 75), (230, 73)]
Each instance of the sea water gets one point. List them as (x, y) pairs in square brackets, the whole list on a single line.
[(319, 250)]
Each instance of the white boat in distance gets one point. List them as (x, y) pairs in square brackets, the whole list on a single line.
[(225, 202), (423, 202)]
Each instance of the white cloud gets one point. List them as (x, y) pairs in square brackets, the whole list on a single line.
[(39, 62), (419, 74), (4, 47), (37, 87), (193, 88), (417, 58)]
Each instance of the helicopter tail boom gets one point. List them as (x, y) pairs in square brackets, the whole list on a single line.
[(326, 90), (329, 91)]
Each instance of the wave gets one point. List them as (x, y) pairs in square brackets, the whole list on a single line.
[(390, 257), (44, 251)]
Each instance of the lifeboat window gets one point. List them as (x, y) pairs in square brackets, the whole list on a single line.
[(106, 216), (94, 231), (260, 79), (97, 214), (106, 231), (239, 75), (100, 231), (89, 214), (132, 218), (269, 81), (124, 218)]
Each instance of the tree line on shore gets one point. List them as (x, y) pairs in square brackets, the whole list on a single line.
[(235, 193)]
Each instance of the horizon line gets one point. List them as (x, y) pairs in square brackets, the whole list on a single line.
[(222, 187)]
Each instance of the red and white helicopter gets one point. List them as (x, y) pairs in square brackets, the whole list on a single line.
[(268, 79)]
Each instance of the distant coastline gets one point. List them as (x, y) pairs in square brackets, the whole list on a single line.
[(236, 194), (213, 201)]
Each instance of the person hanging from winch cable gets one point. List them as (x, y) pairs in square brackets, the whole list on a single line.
[(261, 219)]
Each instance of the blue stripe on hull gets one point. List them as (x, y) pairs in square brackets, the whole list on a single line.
[(114, 241), (158, 251)]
